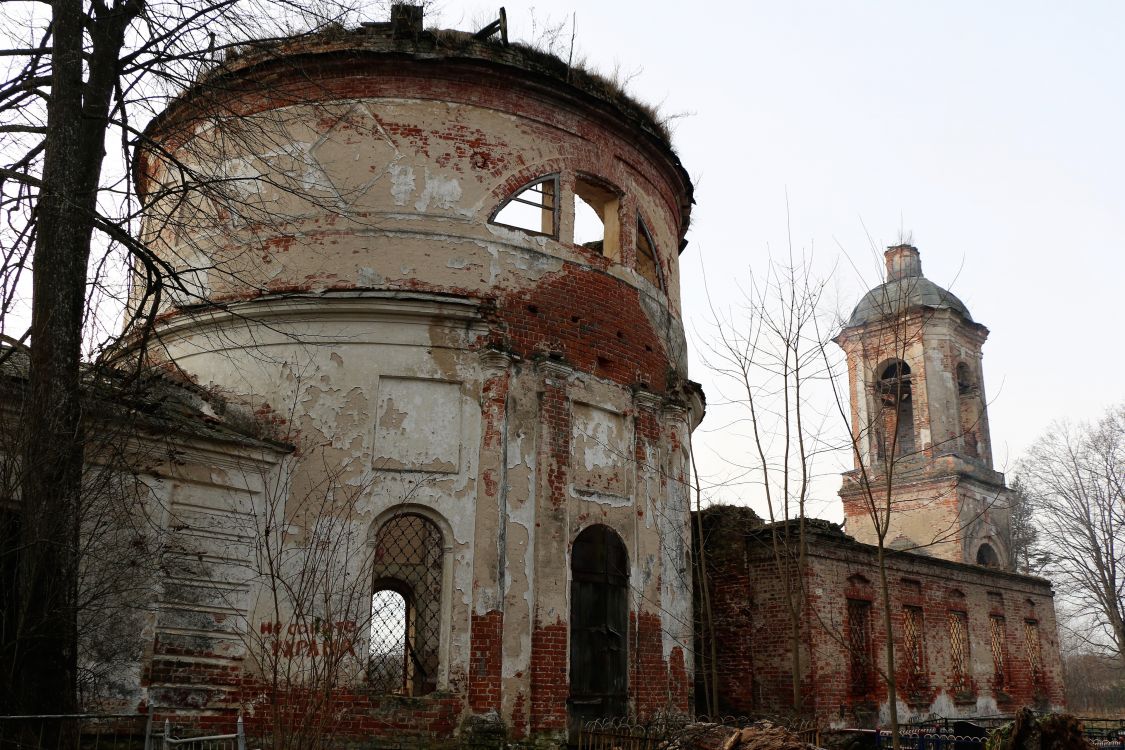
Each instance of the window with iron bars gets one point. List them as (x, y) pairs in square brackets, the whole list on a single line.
[(406, 606), (914, 643), (996, 630), (959, 651), (1034, 649), (860, 647)]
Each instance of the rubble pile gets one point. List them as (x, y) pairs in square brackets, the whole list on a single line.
[(761, 735), (1030, 732)]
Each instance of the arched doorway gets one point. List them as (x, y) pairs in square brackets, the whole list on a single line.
[(599, 626)]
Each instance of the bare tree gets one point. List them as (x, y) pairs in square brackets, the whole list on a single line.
[(798, 400), (1027, 552), (772, 354), (80, 76), (1075, 474)]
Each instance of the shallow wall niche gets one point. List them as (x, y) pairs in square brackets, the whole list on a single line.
[(418, 425), (601, 451)]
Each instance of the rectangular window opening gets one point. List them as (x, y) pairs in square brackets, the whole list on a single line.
[(597, 225), (1034, 649)]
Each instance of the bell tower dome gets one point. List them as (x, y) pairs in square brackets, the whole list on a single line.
[(920, 420)]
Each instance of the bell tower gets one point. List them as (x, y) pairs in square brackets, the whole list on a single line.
[(920, 421)]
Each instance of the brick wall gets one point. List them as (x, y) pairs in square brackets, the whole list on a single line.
[(549, 688), (485, 660), (753, 637)]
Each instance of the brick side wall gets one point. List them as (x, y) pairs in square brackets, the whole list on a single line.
[(752, 634)]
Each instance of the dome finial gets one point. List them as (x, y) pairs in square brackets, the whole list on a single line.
[(902, 261)]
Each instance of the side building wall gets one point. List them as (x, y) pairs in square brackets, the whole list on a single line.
[(968, 640)]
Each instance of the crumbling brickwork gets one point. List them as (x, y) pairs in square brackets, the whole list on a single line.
[(751, 628)]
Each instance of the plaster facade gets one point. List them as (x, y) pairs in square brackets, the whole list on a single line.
[(510, 387)]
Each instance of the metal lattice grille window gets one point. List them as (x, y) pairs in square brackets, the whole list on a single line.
[(406, 606), (999, 666), (913, 640), (959, 650), (859, 645), (1034, 649)]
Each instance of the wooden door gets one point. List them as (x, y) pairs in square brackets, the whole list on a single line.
[(599, 626)]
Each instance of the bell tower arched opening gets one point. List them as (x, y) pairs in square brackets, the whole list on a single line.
[(968, 409), (896, 411)]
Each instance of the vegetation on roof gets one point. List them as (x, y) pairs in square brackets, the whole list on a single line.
[(380, 37)]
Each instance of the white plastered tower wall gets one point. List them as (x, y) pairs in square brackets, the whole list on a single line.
[(919, 415)]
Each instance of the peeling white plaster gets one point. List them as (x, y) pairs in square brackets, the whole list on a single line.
[(439, 192), (402, 183), (367, 276)]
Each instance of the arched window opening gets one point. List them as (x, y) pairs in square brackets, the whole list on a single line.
[(968, 404), (406, 606), (597, 224), (964, 379), (896, 424), (390, 670), (599, 624), (987, 556), (647, 265), (533, 208)]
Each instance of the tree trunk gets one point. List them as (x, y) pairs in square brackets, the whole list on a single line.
[(892, 688), (45, 659)]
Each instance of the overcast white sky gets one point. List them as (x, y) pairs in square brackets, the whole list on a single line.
[(993, 132)]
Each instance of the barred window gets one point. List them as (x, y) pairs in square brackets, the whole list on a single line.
[(860, 647), (996, 630), (959, 651), (1034, 649), (913, 641), (406, 606)]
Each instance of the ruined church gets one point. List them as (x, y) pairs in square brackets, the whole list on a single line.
[(425, 418)]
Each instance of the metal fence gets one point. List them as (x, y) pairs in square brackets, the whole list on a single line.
[(926, 741), (971, 734), (236, 741), (106, 732), (1106, 734)]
